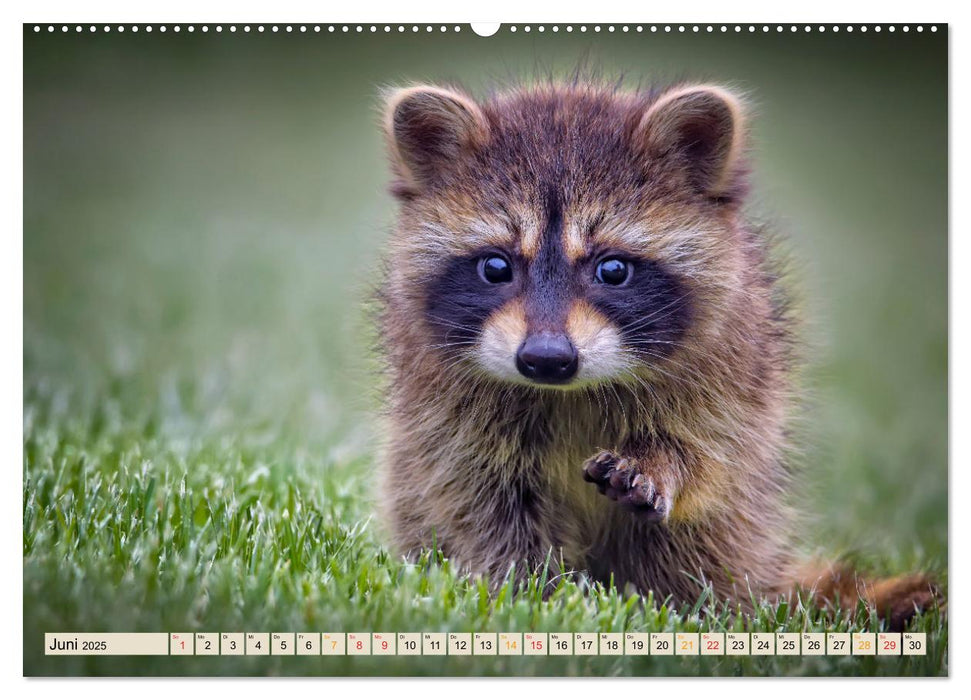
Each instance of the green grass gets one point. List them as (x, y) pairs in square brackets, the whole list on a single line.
[(125, 529), (198, 400)]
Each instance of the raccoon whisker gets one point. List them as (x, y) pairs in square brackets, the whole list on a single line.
[(602, 402), (714, 360), (654, 341), (452, 324), (694, 380), (591, 393), (686, 380), (506, 395), (620, 403), (625, 405), (635, 395), (457, 327), (452, 344), (653, 316), (453, 362), (637, 342), (643, 345), (619, 383), (680, 365), (465, 370), (704, 384), (646, 323), (647, 387)]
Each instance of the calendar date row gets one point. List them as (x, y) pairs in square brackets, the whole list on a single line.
[(489, 644)]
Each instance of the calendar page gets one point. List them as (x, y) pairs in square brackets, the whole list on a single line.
[(540, 349)]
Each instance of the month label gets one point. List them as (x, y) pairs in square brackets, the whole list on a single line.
[(106, 644)]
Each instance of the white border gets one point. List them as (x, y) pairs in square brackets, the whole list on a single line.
[(604, 12), (483, 29)]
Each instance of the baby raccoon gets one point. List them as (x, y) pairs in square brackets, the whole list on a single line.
[(588, 360)]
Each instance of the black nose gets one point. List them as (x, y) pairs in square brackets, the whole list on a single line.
[(548, 358)]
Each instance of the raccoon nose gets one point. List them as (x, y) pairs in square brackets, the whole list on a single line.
[(547, 358)]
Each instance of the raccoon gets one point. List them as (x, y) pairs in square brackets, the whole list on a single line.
[(589, 358)]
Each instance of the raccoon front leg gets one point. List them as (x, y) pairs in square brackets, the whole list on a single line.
[(643, 478), (495, 518)]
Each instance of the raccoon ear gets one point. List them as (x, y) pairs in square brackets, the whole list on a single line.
[(427, 128), (701, 128)]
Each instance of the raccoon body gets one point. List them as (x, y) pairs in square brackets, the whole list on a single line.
[(588, 363)]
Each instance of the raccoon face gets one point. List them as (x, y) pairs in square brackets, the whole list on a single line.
[(563, 237)]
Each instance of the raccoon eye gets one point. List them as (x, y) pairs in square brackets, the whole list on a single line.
[(495, 269), (613, 271)]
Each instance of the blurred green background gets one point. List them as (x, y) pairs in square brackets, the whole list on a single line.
[(203, 216)]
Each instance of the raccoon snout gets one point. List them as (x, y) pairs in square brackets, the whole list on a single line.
[(548, 358)]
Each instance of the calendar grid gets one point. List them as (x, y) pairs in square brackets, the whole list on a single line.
[(487, 644)]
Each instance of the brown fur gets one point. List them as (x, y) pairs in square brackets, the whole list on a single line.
[(492, 468)]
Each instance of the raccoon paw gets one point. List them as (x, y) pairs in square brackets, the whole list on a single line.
[(632, 487)]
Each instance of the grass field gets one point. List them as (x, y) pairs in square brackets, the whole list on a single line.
[(198, 398)]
